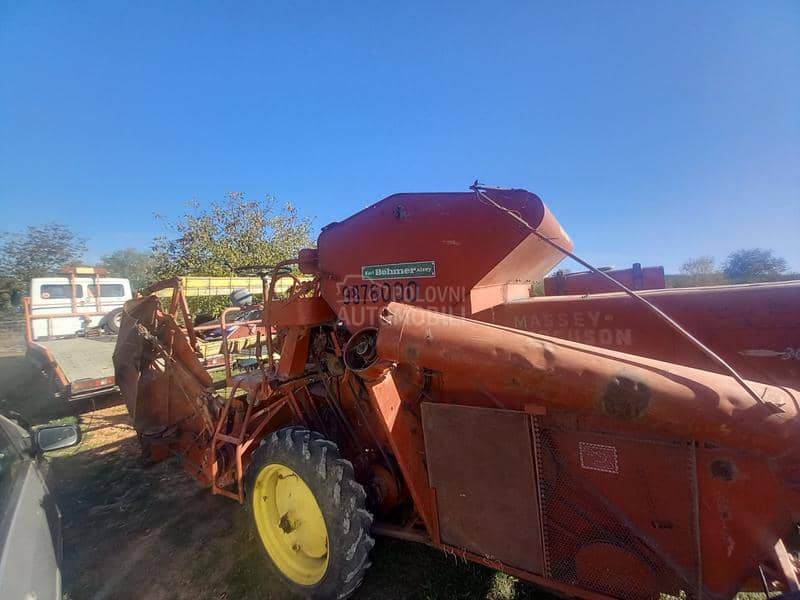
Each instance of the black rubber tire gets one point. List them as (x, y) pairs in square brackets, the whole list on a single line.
[(111, 320), (341, 499)]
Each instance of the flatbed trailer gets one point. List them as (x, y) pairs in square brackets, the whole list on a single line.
[(70, 329), (78, 367)]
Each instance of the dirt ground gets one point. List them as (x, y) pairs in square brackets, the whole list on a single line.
[(154, 533)]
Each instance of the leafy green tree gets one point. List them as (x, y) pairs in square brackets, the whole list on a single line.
[(38, 251), (9, 293), (754, 264), (702, 265), (227, 234), (130, 263), (698, 271)]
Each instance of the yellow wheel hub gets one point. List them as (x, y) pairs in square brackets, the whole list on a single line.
[(290, 524)]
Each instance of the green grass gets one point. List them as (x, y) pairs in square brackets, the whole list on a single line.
[(399, 571)]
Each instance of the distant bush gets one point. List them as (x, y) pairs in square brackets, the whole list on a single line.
[(753, 265)]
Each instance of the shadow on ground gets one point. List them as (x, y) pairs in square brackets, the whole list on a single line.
[(23, 389), (131, 532), (154, 533)]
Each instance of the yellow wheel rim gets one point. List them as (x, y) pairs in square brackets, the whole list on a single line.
[(290, 524)]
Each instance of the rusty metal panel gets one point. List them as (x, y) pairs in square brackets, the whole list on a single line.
[(587, 282), (755, 328), (464, 257), (614, 507), (480, 462)]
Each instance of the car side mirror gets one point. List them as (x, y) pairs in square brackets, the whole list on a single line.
[(55, 437)]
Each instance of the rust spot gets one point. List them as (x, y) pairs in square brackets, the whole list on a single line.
[(514, 360), (723, 470), (286, 525), (625, 398)]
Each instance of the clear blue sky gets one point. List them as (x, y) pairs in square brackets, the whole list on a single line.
[(656, 131)]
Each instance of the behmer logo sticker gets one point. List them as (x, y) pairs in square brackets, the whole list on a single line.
[(407, 270)]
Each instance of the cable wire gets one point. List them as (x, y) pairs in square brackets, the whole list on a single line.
[(481, 190)]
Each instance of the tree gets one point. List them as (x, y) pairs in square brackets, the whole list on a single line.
[(753, 264), (231, 233), (698, 271), (228, 234), (702, 265), (130, 263), (38, 251)]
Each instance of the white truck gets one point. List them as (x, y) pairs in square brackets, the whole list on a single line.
[(71, 325)]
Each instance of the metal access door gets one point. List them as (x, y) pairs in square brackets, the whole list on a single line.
[(481, 464)]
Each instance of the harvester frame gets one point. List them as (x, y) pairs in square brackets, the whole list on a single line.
[(589, 472)]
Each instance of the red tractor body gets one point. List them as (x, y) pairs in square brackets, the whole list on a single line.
[(573, 441)]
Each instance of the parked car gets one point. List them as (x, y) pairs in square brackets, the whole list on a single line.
[(30, 522)]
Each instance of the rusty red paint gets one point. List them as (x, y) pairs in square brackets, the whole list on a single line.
[(651, 470), (586, 282), (755, 328)]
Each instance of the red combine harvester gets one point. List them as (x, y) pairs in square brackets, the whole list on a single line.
[(587, 282), (412, 388)]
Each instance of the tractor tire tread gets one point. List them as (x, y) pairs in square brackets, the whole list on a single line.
[(342, 499)]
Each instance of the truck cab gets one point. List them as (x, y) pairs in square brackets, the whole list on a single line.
[(61, 306), (71, 323)]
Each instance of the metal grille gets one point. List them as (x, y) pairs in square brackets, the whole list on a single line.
[(589, 543)]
